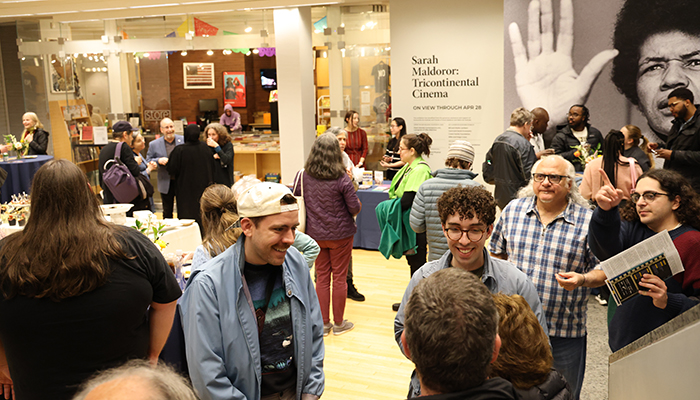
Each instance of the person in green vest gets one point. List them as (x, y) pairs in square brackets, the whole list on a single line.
[(403, 190)]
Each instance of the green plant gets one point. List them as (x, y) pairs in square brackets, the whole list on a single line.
[(157, 231)]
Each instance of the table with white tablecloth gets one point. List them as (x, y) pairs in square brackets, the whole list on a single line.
[(178, 237)]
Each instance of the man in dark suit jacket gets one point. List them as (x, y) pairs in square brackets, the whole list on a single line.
[(158, 152), (121, 132)]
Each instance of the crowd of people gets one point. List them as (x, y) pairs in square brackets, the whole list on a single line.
[(497, 310)]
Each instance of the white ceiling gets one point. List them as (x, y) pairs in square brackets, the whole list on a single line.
[(229, 13)]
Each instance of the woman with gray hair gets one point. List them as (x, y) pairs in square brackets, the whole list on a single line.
[(331, 203), (222, 151), (342, 137)]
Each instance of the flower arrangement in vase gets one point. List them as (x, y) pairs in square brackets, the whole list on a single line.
[(19, 146)]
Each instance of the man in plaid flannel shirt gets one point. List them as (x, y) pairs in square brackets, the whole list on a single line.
[(544, 233)]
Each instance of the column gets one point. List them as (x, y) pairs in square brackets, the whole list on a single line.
[(114, 71), (295, 83), (335, 69)]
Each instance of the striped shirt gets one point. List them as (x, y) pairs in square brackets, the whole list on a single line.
[(356, 146), (541, 252)]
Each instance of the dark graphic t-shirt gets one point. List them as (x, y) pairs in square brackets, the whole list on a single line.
[(276, 340), (381, 72)]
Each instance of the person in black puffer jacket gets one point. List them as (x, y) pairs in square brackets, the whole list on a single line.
[(525, 358)]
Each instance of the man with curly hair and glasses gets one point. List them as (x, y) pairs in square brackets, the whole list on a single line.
[(663, 200), (467, 215), (544, 233)]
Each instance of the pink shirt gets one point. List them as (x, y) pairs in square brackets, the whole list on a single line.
[(592, 179)]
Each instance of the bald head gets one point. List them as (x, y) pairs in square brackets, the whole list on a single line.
[(540, 120), (167, 128)]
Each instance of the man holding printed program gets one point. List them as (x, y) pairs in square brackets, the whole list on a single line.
[(663, 200)]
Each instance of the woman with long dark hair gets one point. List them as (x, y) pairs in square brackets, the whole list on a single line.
[(615, 165), (78, 294), (331, 203), (392, 160), (222, 152), (356, 146)]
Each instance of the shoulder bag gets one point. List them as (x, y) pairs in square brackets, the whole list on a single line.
[(300, 202), (118, 178)]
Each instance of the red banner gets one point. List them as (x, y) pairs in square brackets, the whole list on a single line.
[(201, 28)]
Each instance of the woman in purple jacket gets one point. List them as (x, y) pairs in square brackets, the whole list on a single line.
[(331, 203)]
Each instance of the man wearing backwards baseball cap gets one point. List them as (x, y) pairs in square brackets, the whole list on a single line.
[(251, 318), (122, 131)]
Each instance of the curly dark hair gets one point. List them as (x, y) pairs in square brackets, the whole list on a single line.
[(674, 184), (637, 21), (420, 143), (454, 162), (467, 202)]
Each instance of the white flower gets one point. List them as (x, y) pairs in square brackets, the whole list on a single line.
[(18, 146)]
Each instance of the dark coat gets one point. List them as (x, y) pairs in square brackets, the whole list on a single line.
[(554, 388), (639, 155), (39, 143), (223, 167), (685, 144), (191, 164), (565, 138), (511, 157), (492, 389)]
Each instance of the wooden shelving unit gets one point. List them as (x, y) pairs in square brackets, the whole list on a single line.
[(256, 162), (63, 144)]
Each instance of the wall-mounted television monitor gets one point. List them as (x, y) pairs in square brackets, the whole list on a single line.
[(208, 105), (268, 77)]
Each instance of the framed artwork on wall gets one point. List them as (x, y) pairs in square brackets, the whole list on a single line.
[(198, 75), (61, 74), (234, 89)]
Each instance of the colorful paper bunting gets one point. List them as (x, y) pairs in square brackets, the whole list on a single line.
[(267, 51), (201, 28)]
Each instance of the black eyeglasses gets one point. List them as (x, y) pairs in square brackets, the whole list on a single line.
[(473, 234), (671, 105), (648, 196), (555, 179)]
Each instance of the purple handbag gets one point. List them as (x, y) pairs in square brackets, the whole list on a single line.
[(118, 178)]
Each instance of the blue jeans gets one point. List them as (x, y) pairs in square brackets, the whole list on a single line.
[(570, 360)]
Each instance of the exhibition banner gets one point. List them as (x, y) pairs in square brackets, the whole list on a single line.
[(447, 72)]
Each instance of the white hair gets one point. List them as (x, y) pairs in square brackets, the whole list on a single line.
[(573, 196), (166, 384)]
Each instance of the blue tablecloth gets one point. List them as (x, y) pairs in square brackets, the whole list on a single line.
[(368, 233), (19, 175)]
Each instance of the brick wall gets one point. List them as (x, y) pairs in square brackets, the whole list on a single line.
[(185, 102)]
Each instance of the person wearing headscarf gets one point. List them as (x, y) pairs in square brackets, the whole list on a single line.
[(191, 164)]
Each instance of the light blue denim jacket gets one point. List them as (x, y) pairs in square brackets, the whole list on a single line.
[(223, 352)]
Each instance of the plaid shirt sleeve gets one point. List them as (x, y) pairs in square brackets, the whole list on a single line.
[(497, 244)]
